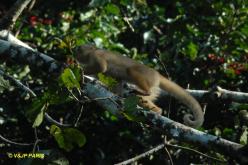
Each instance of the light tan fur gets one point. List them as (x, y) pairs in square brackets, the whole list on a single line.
[(148, 81)]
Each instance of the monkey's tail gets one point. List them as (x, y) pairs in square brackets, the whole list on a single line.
[(179, 93)]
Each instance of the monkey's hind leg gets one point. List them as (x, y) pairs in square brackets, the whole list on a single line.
[(146, 103)]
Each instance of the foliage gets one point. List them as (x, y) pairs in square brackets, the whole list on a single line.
[(201, 43), (67, 137)]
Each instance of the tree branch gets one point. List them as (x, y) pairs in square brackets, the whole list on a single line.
[(220, 93), (27, 89), (14, 52), (173, 129), (8, 21), (7, 36), (17, 82), (15, 143)]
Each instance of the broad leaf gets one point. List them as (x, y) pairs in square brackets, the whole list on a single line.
[(69, 79)]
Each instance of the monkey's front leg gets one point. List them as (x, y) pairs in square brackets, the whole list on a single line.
[(146, 103)]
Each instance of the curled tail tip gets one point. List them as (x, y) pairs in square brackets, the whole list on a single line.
[(192, 123), (196, 119)]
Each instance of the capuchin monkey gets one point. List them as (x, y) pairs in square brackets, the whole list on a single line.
[(147, 80)]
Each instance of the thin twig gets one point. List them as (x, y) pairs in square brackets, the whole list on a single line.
[(25, 88), (73, 96), (37, 140), (128, 22), (18, 83), (22, 22), (162, 63), (157, 29), (145, 154), (169, 155), (8, 21), (15, 143), (198, 152), (51, 120), (79, 116)]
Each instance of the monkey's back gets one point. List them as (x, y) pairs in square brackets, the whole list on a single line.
[(118, 65)]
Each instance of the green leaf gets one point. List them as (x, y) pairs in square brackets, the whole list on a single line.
[(77, 72), (216, 131), (4, 84), (55, 130), (75, 136), (230, 73), (35, 109), (62, 45), (68, 137), (130, 104), (69, 79), (244, 30), (124, 2), (130, 108), (109, 81), (39, 118), (87, 15), (192, 50), (228, 132), (244, 137), (54, 97), (60, 138), (112, 9)]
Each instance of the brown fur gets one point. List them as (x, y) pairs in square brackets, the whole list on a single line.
[(147, 80)]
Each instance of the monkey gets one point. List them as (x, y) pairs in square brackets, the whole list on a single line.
[(147, 80)]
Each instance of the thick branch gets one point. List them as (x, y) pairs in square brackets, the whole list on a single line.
[(213, 94), (6, 35), (222, 94), (8, 21), (217, 93), (23, 55), (96, 92), (174, 129)]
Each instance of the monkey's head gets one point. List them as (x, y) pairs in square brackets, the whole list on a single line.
[(83, 52)]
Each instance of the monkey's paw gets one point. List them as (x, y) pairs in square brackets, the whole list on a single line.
[(157, 110)]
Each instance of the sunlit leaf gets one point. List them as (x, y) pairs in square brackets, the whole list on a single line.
[(39, 118), (244, 137), (4, 84), (69, 79), (34, 109), (107, 80), (191, 50), (87, 15)]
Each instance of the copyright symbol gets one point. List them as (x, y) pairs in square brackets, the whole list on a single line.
[(10, 155)]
